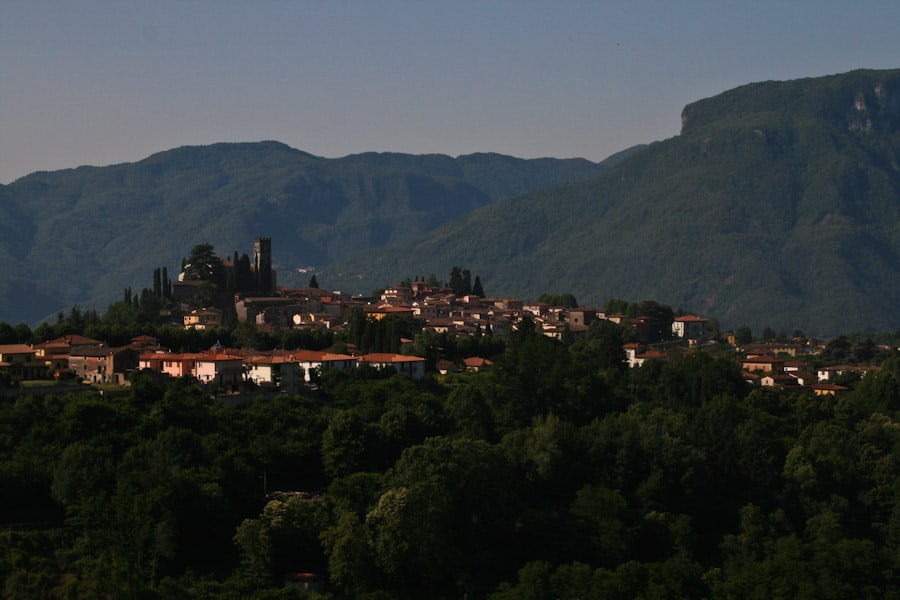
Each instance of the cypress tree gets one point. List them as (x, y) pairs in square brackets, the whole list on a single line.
[(157, 282), (456, 281), (166, 283), (477, 289)]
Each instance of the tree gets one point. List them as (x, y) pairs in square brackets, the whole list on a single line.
[(350, 558), (477, 289), (203, 264), (7, 334), (166, 283), (599, 518), (743, 335), (313, 282), (456, 281), (447, 516), (345, 444), (157, 283), (471, 415), (565, 300)]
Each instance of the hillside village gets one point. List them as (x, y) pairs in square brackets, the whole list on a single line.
[(273, 433), (432, 307)]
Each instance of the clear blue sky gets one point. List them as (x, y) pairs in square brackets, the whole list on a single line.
[(89, 82)]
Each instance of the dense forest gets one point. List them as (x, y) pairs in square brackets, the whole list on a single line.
[(558, 473)]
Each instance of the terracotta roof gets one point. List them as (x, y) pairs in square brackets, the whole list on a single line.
[(76, 340), (385, 357), (828, 387), (16, 349), (477, 361)]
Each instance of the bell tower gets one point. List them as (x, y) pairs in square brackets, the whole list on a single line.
[(262, 263)]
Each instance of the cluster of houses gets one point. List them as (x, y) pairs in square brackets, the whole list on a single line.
[(766, 368), (437, 308), (770, 365), (91, 361)]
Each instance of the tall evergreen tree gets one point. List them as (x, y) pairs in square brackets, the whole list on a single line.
[(313, 282), (455, 283), (167, 283), (477, 289), (157, 282), (203, 264)]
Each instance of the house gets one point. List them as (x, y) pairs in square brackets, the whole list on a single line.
[(536, 309), (400, 295), (312, 362), (424, 311), (281, 372), (411, 366), (383, 310), (505, 303), (802, 378), (826, 374), (446, 366), (766, 364), (636, 354), (632, 350), (275, 310), (174, 365), (203, 318), (55, 356), (689, 327), (75, 342), (778, 380), (827, 389), (649, 355), (218, 367), (580, 316), (21, 362), (104, 365), (773, 348), (143, 343), (477, 363)]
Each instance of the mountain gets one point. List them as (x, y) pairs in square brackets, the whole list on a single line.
[(79, 236), (777, 205)]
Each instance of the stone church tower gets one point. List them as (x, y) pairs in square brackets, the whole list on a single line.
[(262, 264)]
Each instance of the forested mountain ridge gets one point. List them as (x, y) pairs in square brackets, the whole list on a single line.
[(778, 204), (79, 236)]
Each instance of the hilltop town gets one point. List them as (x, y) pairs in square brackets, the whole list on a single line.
[(212, 293)]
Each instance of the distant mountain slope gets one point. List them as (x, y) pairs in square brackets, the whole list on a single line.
[(82, 235), (779, 204)]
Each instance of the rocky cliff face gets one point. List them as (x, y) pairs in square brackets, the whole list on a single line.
[(876, 109), (859, 101)]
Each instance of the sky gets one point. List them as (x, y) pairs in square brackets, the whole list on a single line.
[(105, 82)]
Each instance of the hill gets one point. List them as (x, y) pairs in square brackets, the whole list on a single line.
[(79, 236), (777, 205)]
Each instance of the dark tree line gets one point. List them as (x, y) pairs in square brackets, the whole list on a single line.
[(557, 474)]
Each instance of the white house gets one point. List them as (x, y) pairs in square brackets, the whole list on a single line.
[(689, 327), (224, 369), (411, 366)]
